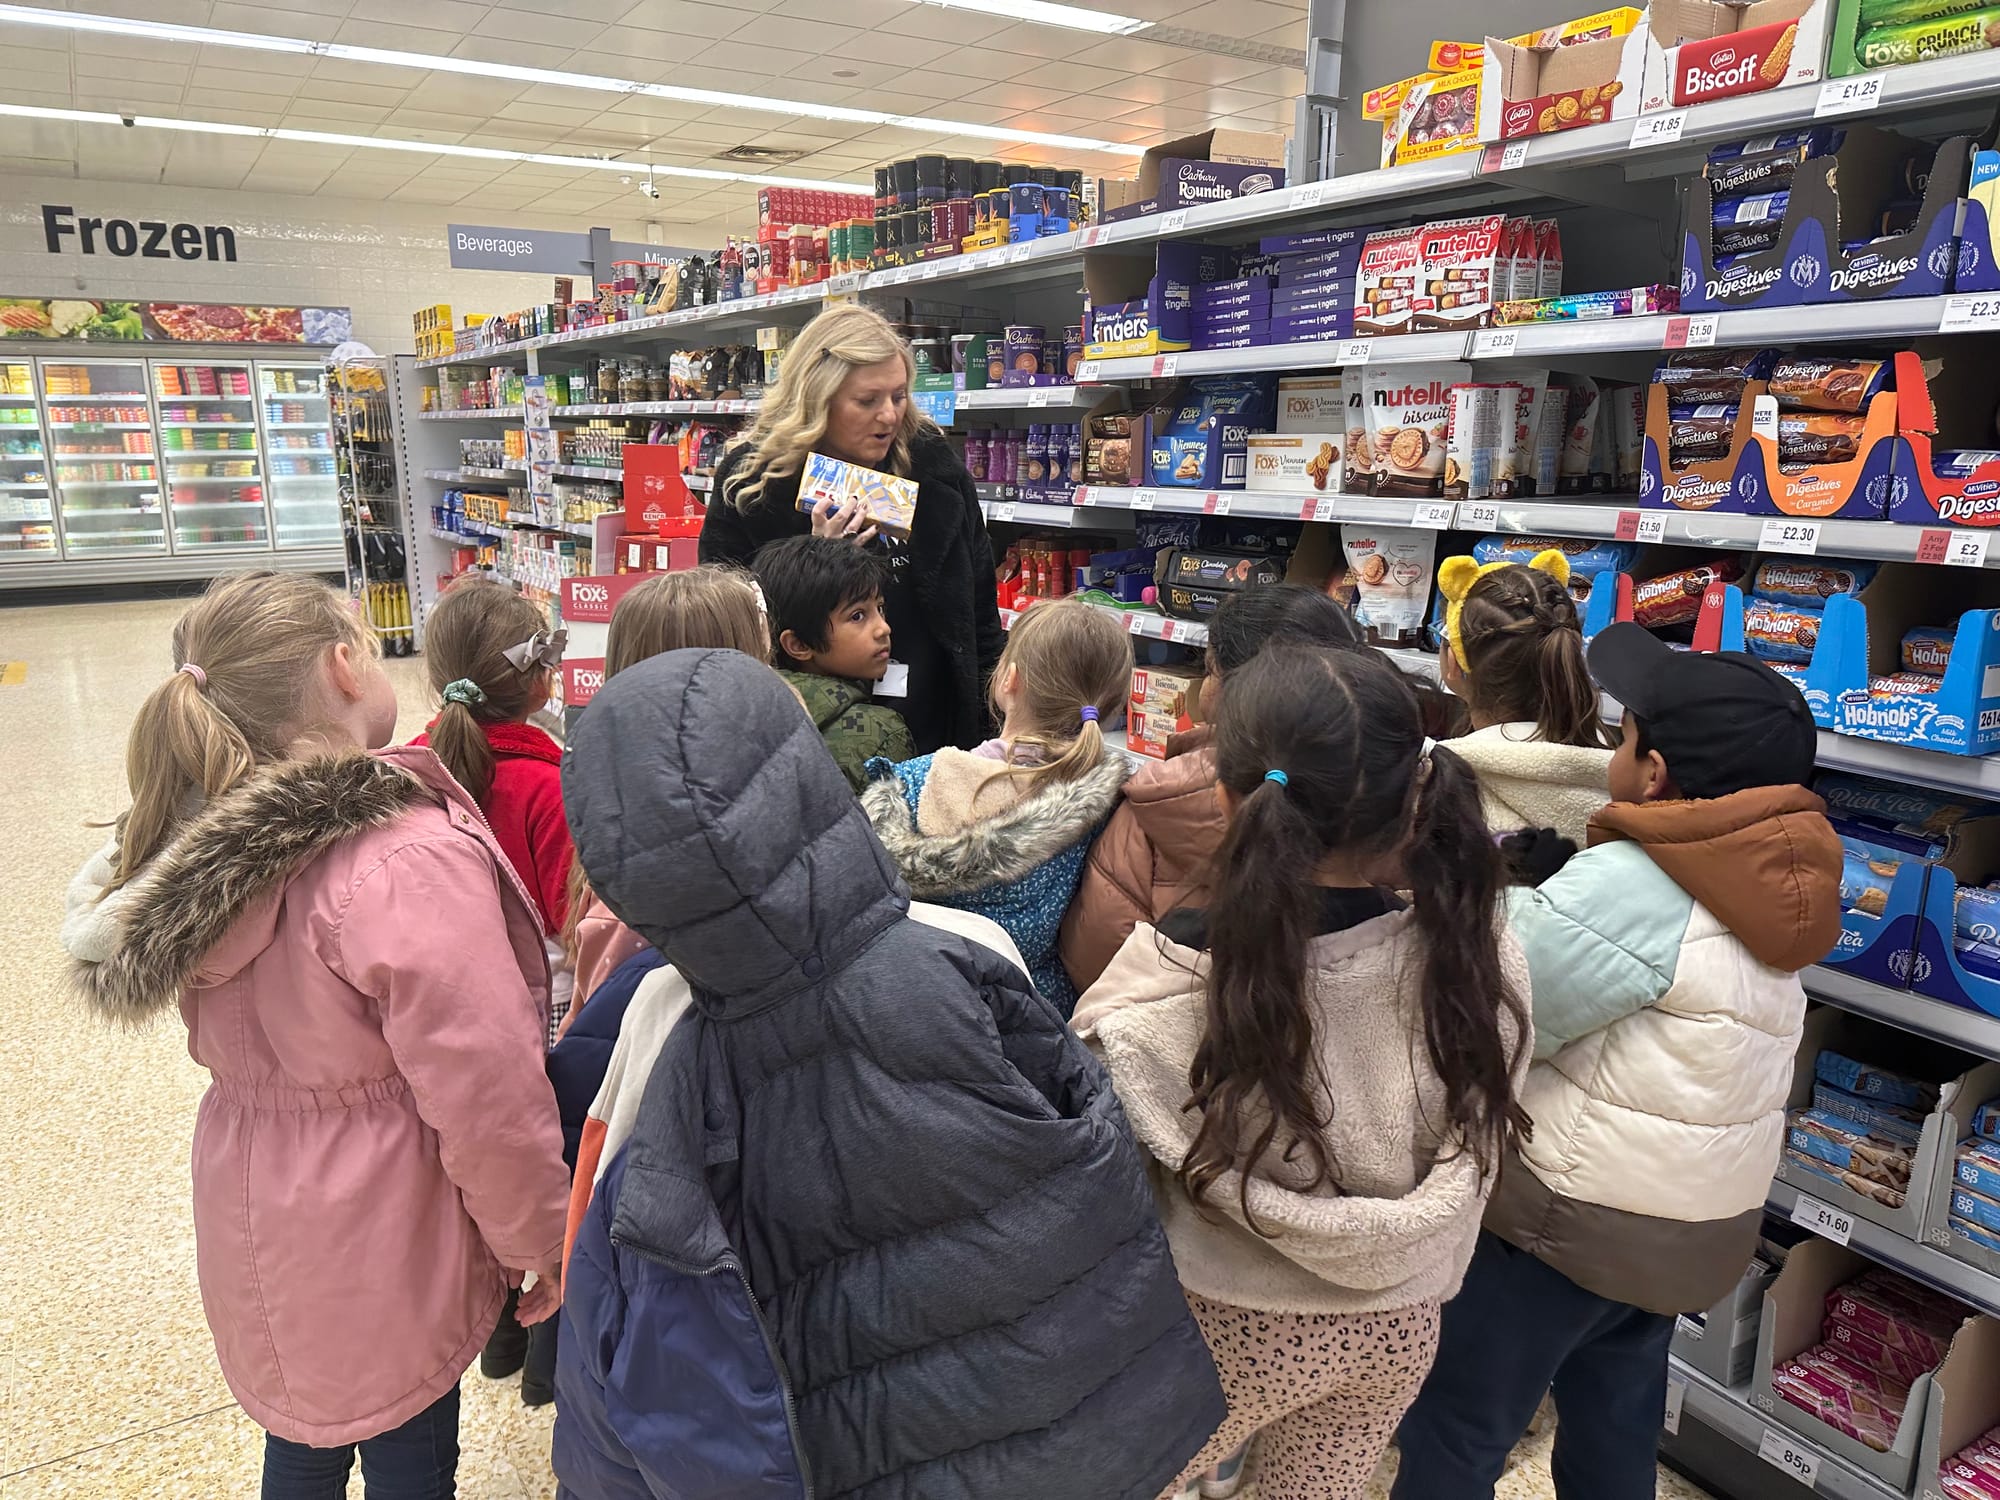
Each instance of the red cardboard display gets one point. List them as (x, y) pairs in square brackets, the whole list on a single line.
[(1957, 412), (587, 604), (656, 497)]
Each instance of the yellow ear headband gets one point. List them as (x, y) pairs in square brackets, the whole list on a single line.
[(1457, 575)]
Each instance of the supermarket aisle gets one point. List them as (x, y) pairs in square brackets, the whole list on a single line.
[(108, 1385)]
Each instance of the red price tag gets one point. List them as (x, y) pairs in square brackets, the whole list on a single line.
[(1306, 511), (1677, 334), (1208, 503), (1932, 546), (1159, 365), (1628, 526)]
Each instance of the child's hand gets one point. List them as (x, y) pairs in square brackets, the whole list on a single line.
[(542, 1300), (841, 522)]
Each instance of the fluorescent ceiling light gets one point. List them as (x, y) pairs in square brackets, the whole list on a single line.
[(209, 36), (421, 148), (1043, 13)]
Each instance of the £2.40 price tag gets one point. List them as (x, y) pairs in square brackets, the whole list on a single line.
[(1970, 312), (1658, 130), (1784, 534), (1480, 517), (1790, 1454), (1433, 515), (1848, 96), (1495, 343), (1823, 1220)]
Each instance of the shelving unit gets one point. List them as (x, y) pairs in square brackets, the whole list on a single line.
[(27, 500)]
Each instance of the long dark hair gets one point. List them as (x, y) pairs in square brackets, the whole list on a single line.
[(1524, 657), (1345, 729), (1253, 619)]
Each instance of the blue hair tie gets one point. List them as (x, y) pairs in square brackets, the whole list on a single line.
[(1090, 713), (1278, 776)]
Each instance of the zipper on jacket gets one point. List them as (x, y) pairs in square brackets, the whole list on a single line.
[(763, 1332)]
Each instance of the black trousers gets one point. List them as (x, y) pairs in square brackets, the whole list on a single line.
[(1517, 1329)]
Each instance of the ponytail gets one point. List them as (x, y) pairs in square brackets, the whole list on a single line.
[(1064, 657), (1521, 645), (1568, 710), (466, 641), (248, 660), (458, 740), (1455, 873)]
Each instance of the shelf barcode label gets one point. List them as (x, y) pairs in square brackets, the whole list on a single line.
[(1694, 332), (1174, 222), (1354, 351), (1495, 343), (1308, 194), (1144, 499), (1505, 158), (1004, 512), (1848, 96), (1968, 312), (1480, 517), (1790, 1454), (1676, 1395), (1822, 1219), (1967, 549), (1784, 534), (1658, 130), (1433, 515)]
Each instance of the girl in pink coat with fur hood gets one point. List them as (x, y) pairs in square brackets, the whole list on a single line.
[(377, 1157)]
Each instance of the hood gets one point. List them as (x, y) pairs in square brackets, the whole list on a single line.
[(206, 905), (712, 821), (825, 698), (1764, 860), (1175, 802), (970, 852), (1511, 751)]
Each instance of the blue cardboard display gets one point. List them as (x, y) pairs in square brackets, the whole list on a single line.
[(1961, 718)]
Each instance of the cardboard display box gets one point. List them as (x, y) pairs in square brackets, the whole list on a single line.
[(1810, 263), (1956, 410), (1165, 701), (1584, 72), (1981, 1084), (1697, 50), (1722, 1342), (1963, 1401), (1972, 859), (1141, 303), (1227, 162)]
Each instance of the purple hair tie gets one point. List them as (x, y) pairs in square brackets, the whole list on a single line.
[(1089, 713)]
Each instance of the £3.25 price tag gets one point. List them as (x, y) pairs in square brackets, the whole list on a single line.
[(1826, 1222), (1969, 312), (1433, 515), (1658, 130), (1480, 517), (1848, 96), (1495, 343), (1790, 1454), (1676, 1396), (1784, 534)]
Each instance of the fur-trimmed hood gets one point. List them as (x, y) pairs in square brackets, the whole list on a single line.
[(965, 833), (206, 905)]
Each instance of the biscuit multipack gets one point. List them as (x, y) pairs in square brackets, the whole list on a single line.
[(1406, 415), (1430, 278), (1164, 701), (1867, 35), (1584, 72), (1198, 438), (1698, 50), (888, 501)]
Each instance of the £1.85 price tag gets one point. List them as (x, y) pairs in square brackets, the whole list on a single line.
[(1848, 96), (1969, 312), (1433, 515), (1784, 534), (1308, 194), (1790, 1454), (1658, 130), (1824, 1221), (1495, 343)]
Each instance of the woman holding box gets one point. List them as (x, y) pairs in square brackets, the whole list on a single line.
[(845, 392)]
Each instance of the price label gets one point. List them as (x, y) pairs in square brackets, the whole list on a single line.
[(1144, 499), (1791, 1455), (1433, 515), (1627, 529), (1086, 372), (1495, 343), (1676, 1396), (1323, 510), (1136, 624), (1092, 235), (1353, 351), (1309, 195), (1696, 332), (1783, 534), (1969, 312), (1169, 629), (1652, 528), (1658, 130), (1848, 96), (1020, 253), (1513, 155), (1004, 512), (1480, 517), (847, 281), (933, 269), (1174, 222), (1038, 397), (1167, 366), (1967, 549), (1932, 546), (1827, 1222)]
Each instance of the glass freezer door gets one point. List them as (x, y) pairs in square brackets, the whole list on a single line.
[(214, 463), (298, 448), (100, 426), (27, 502)]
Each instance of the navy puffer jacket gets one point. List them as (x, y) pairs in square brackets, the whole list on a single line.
[(881, 1229)]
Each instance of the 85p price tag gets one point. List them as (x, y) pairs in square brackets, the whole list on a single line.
[(1822, 1219), (1791, 1455), (1784, 534)]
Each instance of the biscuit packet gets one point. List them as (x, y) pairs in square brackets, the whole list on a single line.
[(888, 501), (1407, 411), (1390, 570), (1358, 456)]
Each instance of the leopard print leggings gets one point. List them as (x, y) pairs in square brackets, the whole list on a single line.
[(1323, 1392)]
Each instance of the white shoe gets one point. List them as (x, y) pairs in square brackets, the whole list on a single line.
[(1226, 1478)]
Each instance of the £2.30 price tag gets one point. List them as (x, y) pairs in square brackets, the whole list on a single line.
[(1785, 534), (1658, 130), (1495, 343), (1826, 1222), (1144, 499), (1790, 1454), (1433, 515), (1970, 312), (1848, 96), (1480, 517)]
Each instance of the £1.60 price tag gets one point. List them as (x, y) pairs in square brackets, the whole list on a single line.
[(1848, 96), (1433, 515), (1970, 312), (1495, 343), (1658, 130), (1790, 1454), (1784, 534), (1824, 1221)]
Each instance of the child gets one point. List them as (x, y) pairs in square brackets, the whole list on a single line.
[(362, 973), (1514, 652), (1151, 855), (708, 606), (830, 639), (1324, 1076), (1667, 1015), (1004, 829), (865, 1209)]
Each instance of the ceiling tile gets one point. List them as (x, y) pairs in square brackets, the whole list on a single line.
[(384, 96), (934, 23), (680, 19), (751, 59), (1019, 96), (535, 27), (437, 15), (901, 50), (796, 33), (1201, 67), (573, 10), (138, 48), (282, 64), (400, 38), (253, 18), (1238, 17)]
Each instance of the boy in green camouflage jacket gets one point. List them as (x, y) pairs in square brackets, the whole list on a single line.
[(830, 641)]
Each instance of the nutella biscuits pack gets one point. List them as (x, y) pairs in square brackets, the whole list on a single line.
[(1358, 458), (1433, 277), (1407, 411)]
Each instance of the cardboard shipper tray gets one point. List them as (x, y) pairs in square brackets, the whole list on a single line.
[(1956, 410), (1807, 263), (1240, 158), (1697, 50), (1794, 1313), (1963, 1401), (1142, 303), (1827, 1029), (1584, 72), (1958, 1108), (1722, 1342), (1749, 479), (1936, 972)]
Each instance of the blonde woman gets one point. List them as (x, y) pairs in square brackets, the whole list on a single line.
[(845, 392)]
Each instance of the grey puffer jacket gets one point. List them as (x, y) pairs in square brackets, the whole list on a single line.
[(881, 1229)]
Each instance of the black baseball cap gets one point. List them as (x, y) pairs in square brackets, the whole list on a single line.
[(1722, 721)]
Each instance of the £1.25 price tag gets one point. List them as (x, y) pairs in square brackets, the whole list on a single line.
[(1848, 96), (1479, 516), (1658, 130), (1433, 515), (1785, 534), (1495, 343), (1790, 1454), (1970, 312), (1823, 1220), (1507, 158)]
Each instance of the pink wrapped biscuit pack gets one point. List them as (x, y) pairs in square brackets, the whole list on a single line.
[(1847, 1396), (1898, 1315)]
